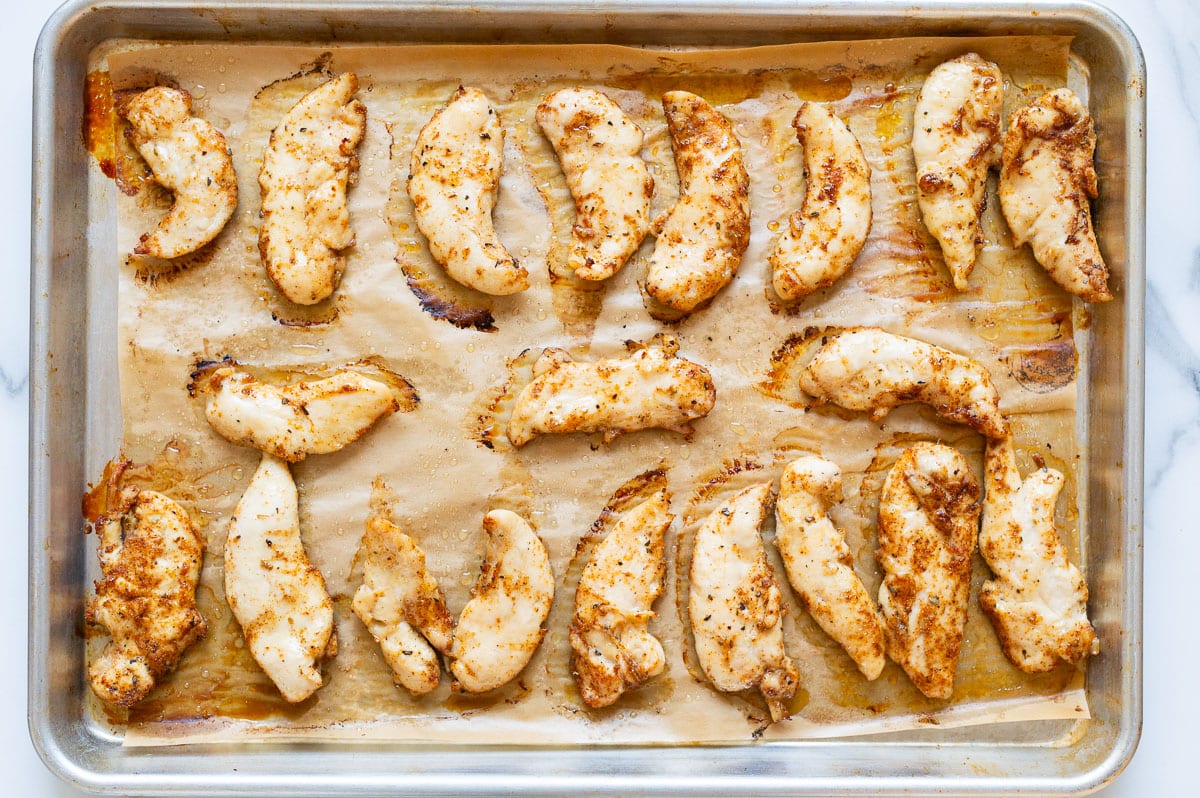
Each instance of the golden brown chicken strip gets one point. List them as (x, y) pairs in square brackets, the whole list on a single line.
[(296, 420), (611, 649), (150, 558), (189, 157), (501, 626), (402, 606), (824, 237), (305, 173), (874, 370), (650, 388), (1038, 600), (454, 175), (819, 564), (928, 525), (1047, 182), (277, 595), (599, 148), (955, 141), (702, 238), (735, 605)]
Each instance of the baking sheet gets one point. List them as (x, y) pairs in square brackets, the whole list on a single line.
[(1015, 322)]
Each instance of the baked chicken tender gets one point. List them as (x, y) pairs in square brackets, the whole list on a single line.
[(735, 605), (150, 558), (819, 563), (825, 236), (1047, 181), (306, 169), (402, 606), (928, 524), (955, 141), (277, 595), (650, 388), (1038, 600), (870, 369), (293, 421), (453, 178), (599, 148), (189, 157), (611, 649), (501, 626), (702, 238)]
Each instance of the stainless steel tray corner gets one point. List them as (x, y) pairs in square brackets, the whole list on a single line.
[(73, 318)]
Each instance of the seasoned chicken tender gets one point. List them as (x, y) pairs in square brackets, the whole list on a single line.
[(870, 369), (650, 388), (955, 141), (293, 421), (189, 157), (306, 170), (599, 148), (824, 237), (453, 178), (735, 605), (611, 649), (150, 558), (702, 238), (1038, 600), (402, 606), (928, 524), (819, 564), (1047, 181), (277, 595), (501, 626)]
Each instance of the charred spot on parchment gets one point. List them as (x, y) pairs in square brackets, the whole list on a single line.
[(447, 300), (1044, 367), (202, 370), (1040, 341)]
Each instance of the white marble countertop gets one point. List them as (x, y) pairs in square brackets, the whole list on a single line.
[(1169, 32)]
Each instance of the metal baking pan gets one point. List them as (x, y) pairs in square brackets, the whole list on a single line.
[(75, 422)]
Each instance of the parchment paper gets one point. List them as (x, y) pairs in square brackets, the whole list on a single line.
[(445, 464)]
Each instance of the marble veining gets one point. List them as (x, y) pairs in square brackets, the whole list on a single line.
[(13, 387)]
